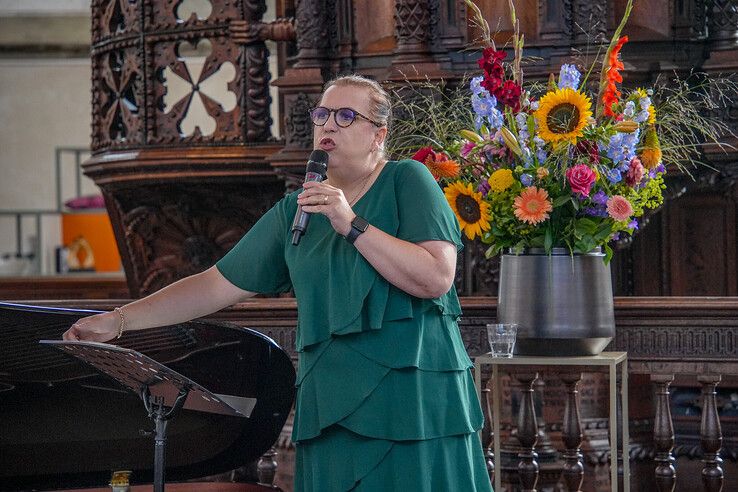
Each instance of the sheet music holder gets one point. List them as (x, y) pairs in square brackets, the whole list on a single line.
[(163, 390)]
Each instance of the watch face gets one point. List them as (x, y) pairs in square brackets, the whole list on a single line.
[(359, 223)]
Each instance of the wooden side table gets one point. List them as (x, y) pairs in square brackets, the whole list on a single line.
[(609, 359)]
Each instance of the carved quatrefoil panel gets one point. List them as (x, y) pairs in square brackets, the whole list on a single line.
[(197, 92)]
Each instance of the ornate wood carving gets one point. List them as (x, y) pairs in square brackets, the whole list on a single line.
[(117, 97), (412, 25), (137, 46), (555, 21), (154, 62), (588, 21), (418, 31), (299, 126), (690, 19), (723, 24), (317, 33), (183, 229), (257, 114)]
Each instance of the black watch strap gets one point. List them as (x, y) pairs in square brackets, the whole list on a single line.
[(358, 225)]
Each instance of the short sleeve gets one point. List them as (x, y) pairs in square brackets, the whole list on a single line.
[(257, 262), (424, 213)]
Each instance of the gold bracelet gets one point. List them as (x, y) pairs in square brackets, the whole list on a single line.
[(122, 322)]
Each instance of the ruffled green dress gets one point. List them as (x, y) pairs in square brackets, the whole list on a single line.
[(385, 397)]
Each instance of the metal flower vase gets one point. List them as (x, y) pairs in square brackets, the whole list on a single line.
[(561, 302)]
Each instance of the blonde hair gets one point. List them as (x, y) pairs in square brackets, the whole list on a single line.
[(380, 107)]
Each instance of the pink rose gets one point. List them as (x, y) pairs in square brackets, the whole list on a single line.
[(635, 172), (581, 178), (619, 208)]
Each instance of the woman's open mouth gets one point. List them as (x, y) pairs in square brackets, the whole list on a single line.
[(327, 144)]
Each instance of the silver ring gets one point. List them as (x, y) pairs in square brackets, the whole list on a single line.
[(325, 199)]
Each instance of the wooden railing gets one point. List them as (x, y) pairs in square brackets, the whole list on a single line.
[(671, 343)]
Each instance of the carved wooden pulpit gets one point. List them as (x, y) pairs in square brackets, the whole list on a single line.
[(184, 174)]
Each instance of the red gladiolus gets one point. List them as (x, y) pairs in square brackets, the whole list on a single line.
[(612, 94), (509, 95)]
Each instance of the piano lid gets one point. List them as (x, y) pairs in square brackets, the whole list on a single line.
[(62, 424)]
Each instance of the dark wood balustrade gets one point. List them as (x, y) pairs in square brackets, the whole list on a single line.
[(684, 342)]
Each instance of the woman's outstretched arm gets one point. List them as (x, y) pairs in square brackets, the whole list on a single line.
[(191, 297)]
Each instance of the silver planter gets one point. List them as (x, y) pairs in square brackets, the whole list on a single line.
[(562, 303)]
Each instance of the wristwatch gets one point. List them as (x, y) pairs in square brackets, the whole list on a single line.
[(358, 225)]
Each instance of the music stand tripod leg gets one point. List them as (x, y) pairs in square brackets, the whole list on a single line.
[(157, 412)]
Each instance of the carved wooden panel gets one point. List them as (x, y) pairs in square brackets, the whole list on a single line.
[(117, 96), (702, 245), (184, 228), (152, 87)]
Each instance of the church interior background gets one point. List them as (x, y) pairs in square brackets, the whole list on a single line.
[(140, 139)]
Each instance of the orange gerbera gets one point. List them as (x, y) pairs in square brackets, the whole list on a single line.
[(532, 205), (442, 168)]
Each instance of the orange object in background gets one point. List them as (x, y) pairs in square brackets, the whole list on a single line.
[(96, 229)]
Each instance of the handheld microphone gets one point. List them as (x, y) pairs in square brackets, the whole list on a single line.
[(317, 167)]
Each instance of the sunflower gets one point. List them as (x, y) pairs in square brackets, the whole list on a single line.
[(470, 209), (562, 115)]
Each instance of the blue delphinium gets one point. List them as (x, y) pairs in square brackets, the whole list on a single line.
[(644, 103), (484, 105), (569, 77), (622, 147), (476, 86), (614, 176)]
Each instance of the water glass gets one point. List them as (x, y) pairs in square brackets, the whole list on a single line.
[(501, 338)]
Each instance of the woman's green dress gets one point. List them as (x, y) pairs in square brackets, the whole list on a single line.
[(385, 398)]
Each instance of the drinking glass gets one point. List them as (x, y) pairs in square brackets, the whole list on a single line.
[(501, 338)]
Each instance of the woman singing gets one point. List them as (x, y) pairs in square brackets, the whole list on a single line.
[(385, 398)]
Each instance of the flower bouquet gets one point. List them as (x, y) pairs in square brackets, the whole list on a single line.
[(555, 165)]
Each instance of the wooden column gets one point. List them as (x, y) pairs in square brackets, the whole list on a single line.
[(416, 30), (711, 436), (572, 434), (663, 434)]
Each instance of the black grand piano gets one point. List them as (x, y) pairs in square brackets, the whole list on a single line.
[(64, 425)]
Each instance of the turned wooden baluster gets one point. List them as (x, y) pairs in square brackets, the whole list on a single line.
[(488, 434), (711, 435), (527, 434), (663, 434), (572, 434)]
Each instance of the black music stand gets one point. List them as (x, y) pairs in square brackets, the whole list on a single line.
[(158, 386)]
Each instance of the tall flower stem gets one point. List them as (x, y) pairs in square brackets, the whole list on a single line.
[(517, 45), (480, 21)]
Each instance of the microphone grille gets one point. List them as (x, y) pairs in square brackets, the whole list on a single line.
[(319, 156), (318, 162)]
